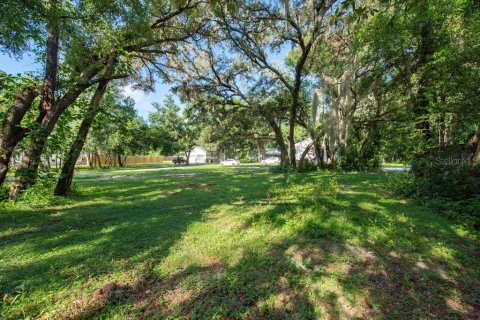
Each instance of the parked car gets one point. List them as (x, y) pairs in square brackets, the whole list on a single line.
[(230, 162), (178, 160), (271, 160)]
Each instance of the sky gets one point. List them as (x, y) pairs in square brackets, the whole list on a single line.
[(143, 101)]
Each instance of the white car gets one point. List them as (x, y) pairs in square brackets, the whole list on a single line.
[(230, 162), (271, 160)]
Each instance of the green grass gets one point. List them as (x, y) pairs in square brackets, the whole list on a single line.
[(129, 166), (394, 165), (212, 242)]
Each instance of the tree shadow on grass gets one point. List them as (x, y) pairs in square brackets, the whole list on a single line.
[(50, 250), (390, 271), (416, 264), (353, 256)]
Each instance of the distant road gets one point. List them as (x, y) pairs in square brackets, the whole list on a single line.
[(395, 169), (97, 172)]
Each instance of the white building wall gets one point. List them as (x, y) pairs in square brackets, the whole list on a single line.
[(300, 148), (198, 155)]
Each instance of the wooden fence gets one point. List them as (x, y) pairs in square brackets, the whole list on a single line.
[(113, 161)]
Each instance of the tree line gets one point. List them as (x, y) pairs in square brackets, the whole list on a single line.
[(363, 81)]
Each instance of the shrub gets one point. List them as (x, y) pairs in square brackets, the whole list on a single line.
[(443, 174), (402, 184), (40, 194), (308, 166), (332, 187)]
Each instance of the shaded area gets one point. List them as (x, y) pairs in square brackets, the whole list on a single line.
[(240, 244)]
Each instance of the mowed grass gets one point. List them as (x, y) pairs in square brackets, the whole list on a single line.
[(236, 243)]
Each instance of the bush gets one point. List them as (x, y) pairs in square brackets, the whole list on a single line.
[(401, 184), (39, 195), (443, 175), (353, 160), (308, 166)]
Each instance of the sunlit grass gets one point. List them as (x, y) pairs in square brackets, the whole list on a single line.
[(213, 242)]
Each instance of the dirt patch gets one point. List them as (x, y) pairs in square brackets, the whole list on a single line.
[(285, 301), (180, 175), (361, 253), (167, 192), (105, 292), (197, 185), (306, 257), (133, 176)]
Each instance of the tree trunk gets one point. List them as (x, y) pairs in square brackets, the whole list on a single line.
[(474, 142), (304, 154), (65, 181), (187, 154), (27, 170), (89, 162), (97, 157), (119, 159), (259, 150), (425, 52), (49, 83), (279, 138), (329, 153), (318, 147), (26, 173), (291, 136), (11, 132)]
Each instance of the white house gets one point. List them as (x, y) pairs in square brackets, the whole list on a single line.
[(300, 148), (198, 155)]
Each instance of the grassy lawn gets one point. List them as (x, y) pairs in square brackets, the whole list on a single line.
[(229, 243), (394, 165), (129, 166)]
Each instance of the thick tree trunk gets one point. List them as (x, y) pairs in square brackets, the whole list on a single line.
[(26, 174), (279, 139), (65, 181), (119, 159), (425, 52), (49, 83), (187, 156), (11, 132), (28, 168)]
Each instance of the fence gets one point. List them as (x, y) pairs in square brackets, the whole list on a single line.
[(113, 161)]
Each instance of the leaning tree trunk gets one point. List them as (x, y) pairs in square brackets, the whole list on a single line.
[(11, 132), (65, 181), (304, 154), (27, 170)]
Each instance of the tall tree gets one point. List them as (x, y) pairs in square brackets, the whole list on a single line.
[(132, 42), (258, 27)]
